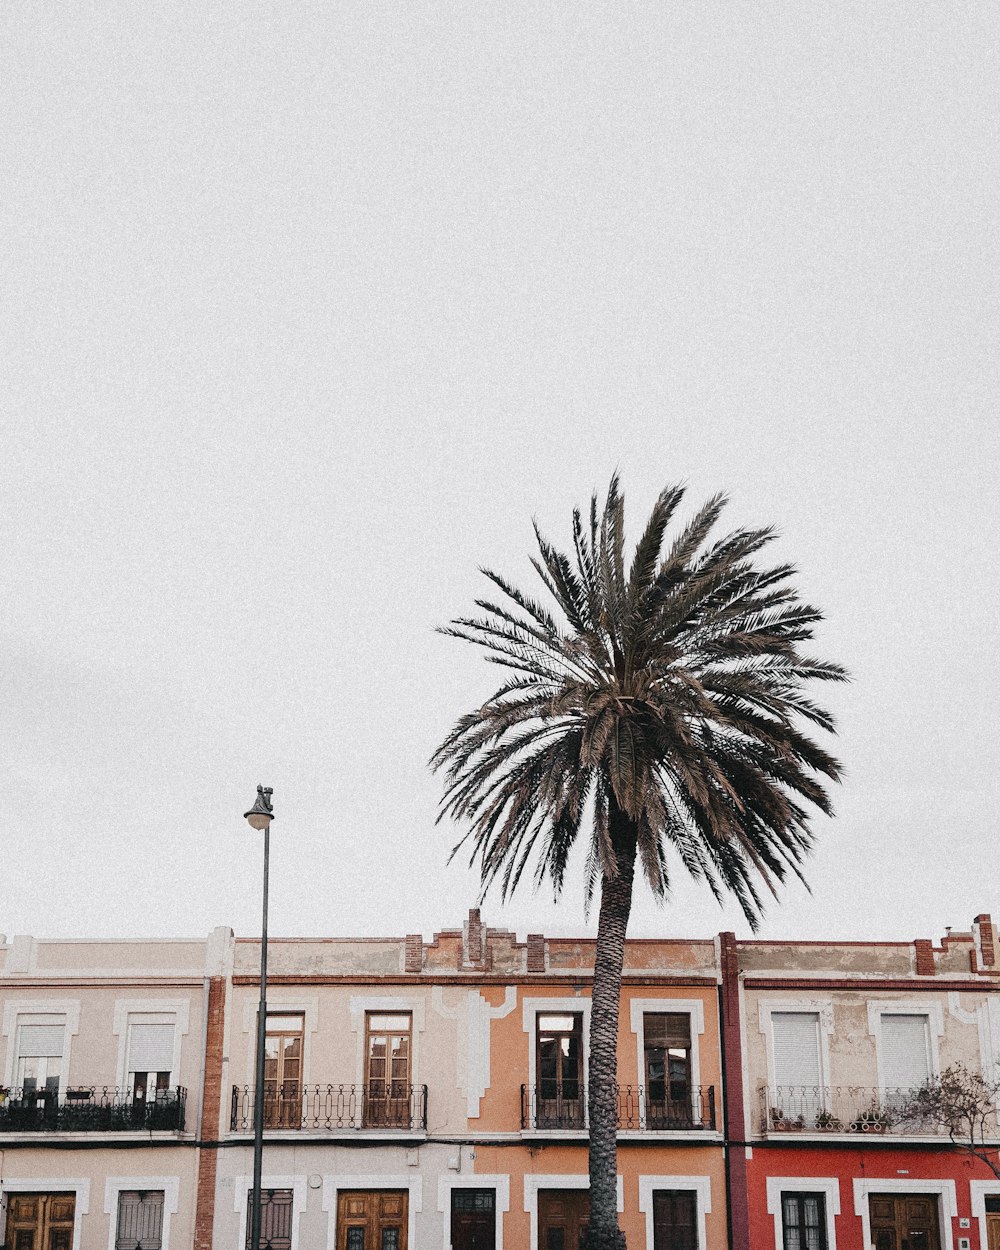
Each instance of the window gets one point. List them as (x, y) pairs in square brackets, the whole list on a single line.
[(667, 1061), (283, 1044), (559, 1066), (674, 1219), (905, 1055), (798, 1091), (40, 1045), (140, 1220), (150, 1058), (803, 1221), (275, 1219), (388, 1038)]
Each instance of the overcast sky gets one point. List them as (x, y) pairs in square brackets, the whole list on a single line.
[(308, 309)]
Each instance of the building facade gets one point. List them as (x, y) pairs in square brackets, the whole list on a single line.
[(432, 1095), (833, 1039)]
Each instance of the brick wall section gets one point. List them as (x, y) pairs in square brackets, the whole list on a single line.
[(414, 958), (536, 952), (735, 1125), (475, 955), (987, 940), (925, 957), (204, 1216)]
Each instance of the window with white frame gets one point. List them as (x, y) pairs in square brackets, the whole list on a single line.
[(803, 1221), (41, 1043), (798, 1094), (149, 1065), (905, 1055)]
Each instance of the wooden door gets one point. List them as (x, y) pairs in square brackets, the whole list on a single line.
[(992, 1230), (372, 1219), (473, 1219), (40, 1221), (283, 1044), (904, 1222), (674, 1219), (387, 1076), (562, 1218)]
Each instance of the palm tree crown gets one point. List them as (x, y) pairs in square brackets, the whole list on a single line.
[(665, 700), (658, 711)]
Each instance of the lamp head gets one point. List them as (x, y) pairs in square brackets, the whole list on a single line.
[(262, 813)]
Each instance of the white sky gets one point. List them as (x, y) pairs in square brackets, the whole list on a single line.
[(308, 308)]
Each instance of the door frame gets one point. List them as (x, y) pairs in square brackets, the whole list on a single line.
[(333, 1184), (242, 1185), (979, 1191), (53, 1184), (534, 1181), (481, 1180), (701, 1186), (113, 1186), (944, 1191)]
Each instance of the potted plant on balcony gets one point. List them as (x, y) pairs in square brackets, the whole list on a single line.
[(780, 1123), (828, 1122), (873, 1119)]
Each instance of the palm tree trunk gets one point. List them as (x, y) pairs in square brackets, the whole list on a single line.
[(603, 1232)]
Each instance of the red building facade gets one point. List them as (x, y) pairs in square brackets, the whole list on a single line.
[(823, 1044)]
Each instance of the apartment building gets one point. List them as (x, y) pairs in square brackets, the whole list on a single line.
[(833, 1039), (431, 1095), (100, 1108)]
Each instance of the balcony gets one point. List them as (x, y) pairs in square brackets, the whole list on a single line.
[(328, 1108), (91, 1109), (854, 1109), (636, 1110)]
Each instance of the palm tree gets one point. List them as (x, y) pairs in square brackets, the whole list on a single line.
[(658, 715)]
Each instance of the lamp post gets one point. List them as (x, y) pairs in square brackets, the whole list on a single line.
[(259, 817)]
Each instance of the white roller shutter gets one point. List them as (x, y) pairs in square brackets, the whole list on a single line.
[(905, 1052), (151, 1048), (40, 1041), (796, 1048)]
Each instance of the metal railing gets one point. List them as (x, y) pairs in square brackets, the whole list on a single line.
[(639, 1108), (91, 1109), (320, 1107), (858, 1109)]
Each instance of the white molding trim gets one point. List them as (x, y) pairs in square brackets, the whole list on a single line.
[(945, 1190), (15, 1008), (534, 1181), (478, 1035), (114, 1185), (931, 1011), (638, 1009), (177, 1008), (702, 1187), (53, 1184), (242, 1185), (485, 1180), (978, 1191), (820, 1007), (333, 1184), (828, 1186), (280, 1003), (532, 1008), (362, 1004)]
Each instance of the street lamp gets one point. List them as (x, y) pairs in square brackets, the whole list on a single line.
[(259, 817)]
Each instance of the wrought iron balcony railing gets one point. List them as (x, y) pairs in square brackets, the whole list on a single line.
[(329, 1107), (840, 1109), (639, 1108), (91, 1109)]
